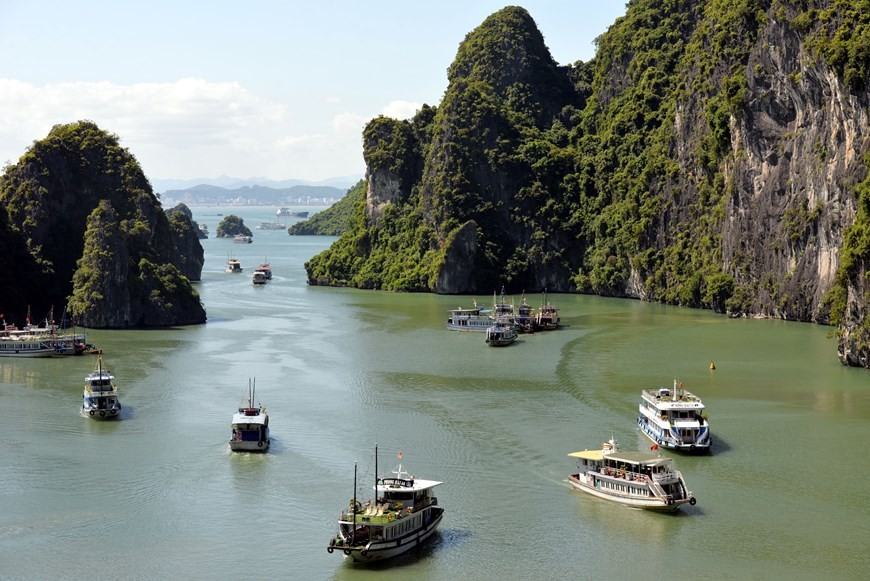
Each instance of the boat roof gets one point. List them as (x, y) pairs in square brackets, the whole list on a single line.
[(630, 457), (412, 485), (260, 418)]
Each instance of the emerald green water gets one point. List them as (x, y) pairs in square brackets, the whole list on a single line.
[(157, 495)]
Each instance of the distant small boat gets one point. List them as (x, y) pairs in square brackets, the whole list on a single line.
[(500, 334), (259, 277), (547, 317), (100, 400), (243, 239), (250, 425), (286, 213), (233, 266), (271, 226), (266, 269)]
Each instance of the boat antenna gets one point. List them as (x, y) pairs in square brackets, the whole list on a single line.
[(377, 500)]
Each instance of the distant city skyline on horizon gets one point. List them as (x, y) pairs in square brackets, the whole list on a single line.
[(277, 89)]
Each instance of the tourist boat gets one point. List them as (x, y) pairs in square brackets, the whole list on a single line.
[(674, 419), (547, 317), (100, 400), (403, 514), (234, 266), (44, 341), (259, 277), (266, 269), (524, 320), (271, 226), (286, 213), (500, 335), (502, 310), (474, 319), (243, 239), (635, 479), (250, 426)]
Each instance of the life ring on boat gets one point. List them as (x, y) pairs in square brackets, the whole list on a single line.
[(102, 414), (692, 448), (92, 412), (670, 501), (347, 551), (363, 553), (113, 412), (329, 549), (692, 501), (259, 444)]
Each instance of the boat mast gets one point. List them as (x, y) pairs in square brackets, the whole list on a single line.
[(353, 509), (377, 500)]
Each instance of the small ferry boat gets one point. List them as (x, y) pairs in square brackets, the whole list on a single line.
[(250, 426), (100, 400), (635, 479), (266, 269), (286, 213), (233, 266), (271, 226), (403, 514), (259, 277), (474, 319), (524, 321), (674, 419), (500, 334), (243, 239)]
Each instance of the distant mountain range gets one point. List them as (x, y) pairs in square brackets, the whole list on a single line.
[(160, 185), (256, 195)]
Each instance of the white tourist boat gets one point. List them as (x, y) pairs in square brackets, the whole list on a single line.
[(259, 277), (271, 226), (243, 239), (474, 319), (100, 400), (403, 514), (41, 342), (250, 427), (635, 479), (674, 419), (500, 334)]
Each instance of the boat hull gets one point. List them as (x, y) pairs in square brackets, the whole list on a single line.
[(247, 446), (698, 447), (107, 414), (654, 504), (378, 551)]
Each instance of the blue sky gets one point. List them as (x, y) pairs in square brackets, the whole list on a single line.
[(264, 88)]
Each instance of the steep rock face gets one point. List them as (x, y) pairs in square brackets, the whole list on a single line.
[(191, 256), (797, 152), (50, 194), (459, 261)]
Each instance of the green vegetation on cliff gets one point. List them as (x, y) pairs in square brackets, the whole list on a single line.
[(88, 216), (232, 225), (335, 220)]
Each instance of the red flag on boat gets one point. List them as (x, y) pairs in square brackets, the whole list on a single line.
[(654, 447), (400, 454)]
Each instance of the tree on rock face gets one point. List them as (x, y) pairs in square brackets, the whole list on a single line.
[(231, 226)]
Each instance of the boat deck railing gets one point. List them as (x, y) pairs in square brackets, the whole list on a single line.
[(383, 513)]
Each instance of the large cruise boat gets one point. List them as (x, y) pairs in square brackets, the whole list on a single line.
[(402, 515), (674, 419), (474, 319), (635, 479)]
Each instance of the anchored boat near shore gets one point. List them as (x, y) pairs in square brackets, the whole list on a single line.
[(403, 514)]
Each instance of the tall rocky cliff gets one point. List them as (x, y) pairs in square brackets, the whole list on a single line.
[(712, 155), (95, 235)]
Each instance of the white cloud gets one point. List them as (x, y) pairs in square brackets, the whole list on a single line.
[(187, 128), (401, 109)]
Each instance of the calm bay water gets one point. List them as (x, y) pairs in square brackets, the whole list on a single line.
[(158, 495)]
